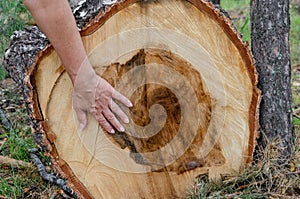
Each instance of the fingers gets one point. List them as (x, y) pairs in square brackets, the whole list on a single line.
[(113, 120), (107, 120), (106, 107), (104, 123), (119, 112), (82, 119), (118, 96)]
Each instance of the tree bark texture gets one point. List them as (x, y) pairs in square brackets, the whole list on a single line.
[(209, 57), (26, 46), (270, 25), (215, 1)]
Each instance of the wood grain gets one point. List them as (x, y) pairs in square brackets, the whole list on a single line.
[(193, 86)]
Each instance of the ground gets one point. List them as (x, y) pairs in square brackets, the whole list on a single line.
[(263, 179)]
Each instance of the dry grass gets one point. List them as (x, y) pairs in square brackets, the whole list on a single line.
[(264, 178), (19, 182)]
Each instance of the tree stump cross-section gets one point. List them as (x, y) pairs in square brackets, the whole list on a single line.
[(193, 86)]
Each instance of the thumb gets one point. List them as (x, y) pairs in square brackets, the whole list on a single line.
[(82, 119)]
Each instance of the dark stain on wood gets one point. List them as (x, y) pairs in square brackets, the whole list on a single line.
[(149, 94)]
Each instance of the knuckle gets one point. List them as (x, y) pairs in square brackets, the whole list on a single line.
[(102, 121), (110, 117)]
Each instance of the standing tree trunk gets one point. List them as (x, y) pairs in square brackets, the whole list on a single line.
[(270, 23)]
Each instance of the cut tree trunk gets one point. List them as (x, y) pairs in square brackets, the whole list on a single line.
[(191, 80), (270, 22)]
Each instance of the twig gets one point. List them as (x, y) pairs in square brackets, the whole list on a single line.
[(296, 116), (232, 195), (3, 120), (296, 65), (296, 106), (276, 195), (53, 196), (13, 163), (2, 141), (48, 176), (59, 193), (264, 180)]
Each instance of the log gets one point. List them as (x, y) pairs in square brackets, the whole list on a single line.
[(6, 161), (190, 77)]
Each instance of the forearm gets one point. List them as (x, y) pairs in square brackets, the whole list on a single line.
[(55, 19), (91, 93)]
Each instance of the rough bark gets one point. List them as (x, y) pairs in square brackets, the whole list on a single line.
[(49, 177), (30, 49), (215, 1), (270, 24), (27, 45), (20, 60)]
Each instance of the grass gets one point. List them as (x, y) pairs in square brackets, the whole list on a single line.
[(24, 183), (263, 179), (295, 34), (13, 16), (21, 182), (15, 143), (240, 14)]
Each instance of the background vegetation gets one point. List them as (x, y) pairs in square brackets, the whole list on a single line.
[(263, 179)]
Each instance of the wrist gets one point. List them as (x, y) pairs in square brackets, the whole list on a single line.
[(85, 76), (84, 69)]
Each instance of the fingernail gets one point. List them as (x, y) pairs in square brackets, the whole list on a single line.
[(122, 129), (130, 104), (126, 120), (112, 131)]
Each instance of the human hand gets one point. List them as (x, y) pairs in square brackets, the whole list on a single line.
[(94, 95)]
